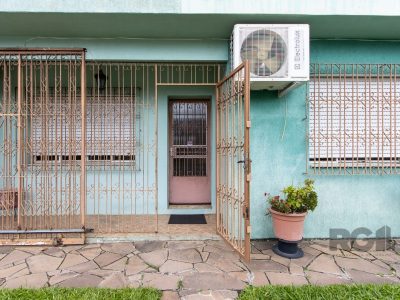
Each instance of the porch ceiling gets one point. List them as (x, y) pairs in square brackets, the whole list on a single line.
[(188, 26)]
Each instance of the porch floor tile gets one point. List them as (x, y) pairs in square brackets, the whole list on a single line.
[(148, 227)]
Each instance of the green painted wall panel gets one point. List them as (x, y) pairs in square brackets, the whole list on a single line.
[(130, 49), (283, 7), (278, 151), (354, 52)]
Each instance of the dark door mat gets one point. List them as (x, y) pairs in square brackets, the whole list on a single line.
[(187, 219)]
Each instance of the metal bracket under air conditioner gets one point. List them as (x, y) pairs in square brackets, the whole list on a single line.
[(291, 86)]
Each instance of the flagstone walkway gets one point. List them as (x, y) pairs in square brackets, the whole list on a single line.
[(196, 269)]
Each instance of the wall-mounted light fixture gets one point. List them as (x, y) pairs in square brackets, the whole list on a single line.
[(101, 79)]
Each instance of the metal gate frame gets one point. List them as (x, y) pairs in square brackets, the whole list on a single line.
[(233, 159), (165, 74), (19, 222)]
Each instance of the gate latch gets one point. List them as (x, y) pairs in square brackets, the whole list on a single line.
[(246, 163), (246, 213)]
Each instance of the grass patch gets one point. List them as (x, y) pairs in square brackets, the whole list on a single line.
[(334, 292), (180, 285), (81, 293)]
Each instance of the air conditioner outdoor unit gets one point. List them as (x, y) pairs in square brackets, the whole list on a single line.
[(278, 54)]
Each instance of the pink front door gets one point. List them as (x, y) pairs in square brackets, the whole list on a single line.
[(189, 152)]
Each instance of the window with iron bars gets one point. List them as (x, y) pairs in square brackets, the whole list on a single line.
[(112, 129), (354, 119)]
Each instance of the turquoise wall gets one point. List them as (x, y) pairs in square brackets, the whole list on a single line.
[(278, 150), (131, 49), (278, 134)]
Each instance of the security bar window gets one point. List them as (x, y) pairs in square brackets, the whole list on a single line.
[(354, 119), (111, 129)]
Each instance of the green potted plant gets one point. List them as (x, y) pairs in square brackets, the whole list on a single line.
[(288, 216)]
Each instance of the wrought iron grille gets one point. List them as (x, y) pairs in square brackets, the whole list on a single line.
[(122, 148), (189, 74), (189, 138), (354, 119), (233, 159), (75, 153), (48, 196)]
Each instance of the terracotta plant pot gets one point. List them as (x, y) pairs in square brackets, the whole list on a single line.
[(288, 227)]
